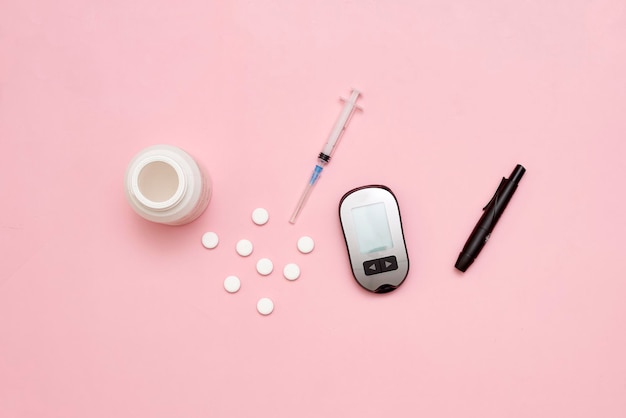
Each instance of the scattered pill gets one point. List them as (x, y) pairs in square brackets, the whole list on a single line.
[(232, 284), (244, 247), (291, 271), (265, 306), (260, 216), (264, 266), (305, 244), (210, 240)]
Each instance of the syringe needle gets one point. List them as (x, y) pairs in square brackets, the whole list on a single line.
[(305, 196)]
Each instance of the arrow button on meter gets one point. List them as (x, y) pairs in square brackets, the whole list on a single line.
[(372, 267), (389, 263)]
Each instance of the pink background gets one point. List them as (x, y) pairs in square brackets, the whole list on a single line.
[(103, 314)]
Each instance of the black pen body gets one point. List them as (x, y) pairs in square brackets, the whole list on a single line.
[(487, 222)]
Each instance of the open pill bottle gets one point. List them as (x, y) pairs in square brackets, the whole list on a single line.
[(164, 184)]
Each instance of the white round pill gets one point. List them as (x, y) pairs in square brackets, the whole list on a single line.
[(244, 247), (305, 244), (264, 266), (265, 306), (210, 240), (260, 216), (291, 271), (232, 284)]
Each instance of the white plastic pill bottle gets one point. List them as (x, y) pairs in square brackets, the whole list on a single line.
[(166, 185)]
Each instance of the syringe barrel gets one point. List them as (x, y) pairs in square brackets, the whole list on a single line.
[(341, 123)]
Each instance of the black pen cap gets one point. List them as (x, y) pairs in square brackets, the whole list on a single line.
[(517, 174)]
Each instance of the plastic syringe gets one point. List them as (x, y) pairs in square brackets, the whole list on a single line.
[(324, 157)]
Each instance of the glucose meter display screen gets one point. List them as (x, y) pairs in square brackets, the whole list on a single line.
[(372, 228)]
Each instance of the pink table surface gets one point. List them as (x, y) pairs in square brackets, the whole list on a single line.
[(103, 314)]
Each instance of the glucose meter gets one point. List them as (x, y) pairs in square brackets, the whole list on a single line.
[(372, 228)]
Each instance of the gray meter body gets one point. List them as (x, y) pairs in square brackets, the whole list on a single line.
[(372, 227)]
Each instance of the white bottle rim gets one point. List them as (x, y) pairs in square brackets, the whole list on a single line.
[(174, 203), (149, 203)]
